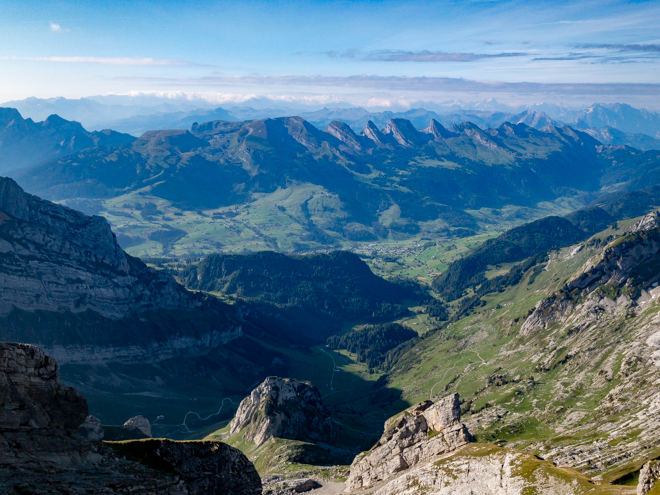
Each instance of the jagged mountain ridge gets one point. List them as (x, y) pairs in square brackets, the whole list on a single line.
[(381, 180), (24, 143)]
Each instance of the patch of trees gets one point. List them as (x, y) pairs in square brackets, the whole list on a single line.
[(372, 343), (303, 297)]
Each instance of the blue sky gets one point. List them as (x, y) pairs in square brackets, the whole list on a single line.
[(360, 52)]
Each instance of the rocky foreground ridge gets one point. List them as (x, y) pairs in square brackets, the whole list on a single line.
[(424, 430), (425, 450), (41, 451), (604, 328)]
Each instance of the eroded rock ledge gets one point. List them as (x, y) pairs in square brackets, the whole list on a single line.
[(420, 432)]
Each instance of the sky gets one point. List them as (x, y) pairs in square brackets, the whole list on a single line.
[(370, 53)]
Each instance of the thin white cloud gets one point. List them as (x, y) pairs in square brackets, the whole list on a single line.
[(136, 61), (56, 28), (225, 97), (408, 83)]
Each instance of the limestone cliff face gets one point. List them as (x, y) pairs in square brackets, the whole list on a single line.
[(68, 287), (282, 408), (40, 451), (417, 434), (53, 258)]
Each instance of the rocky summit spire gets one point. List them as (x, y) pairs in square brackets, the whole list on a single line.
[(403, 132), (437, 130), (371, 131)]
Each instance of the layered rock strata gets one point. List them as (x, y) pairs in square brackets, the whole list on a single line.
[(68, 287), (420, 432), (283, 408), (57, 259)]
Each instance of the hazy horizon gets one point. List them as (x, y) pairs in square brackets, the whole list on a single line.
[(388, 54)]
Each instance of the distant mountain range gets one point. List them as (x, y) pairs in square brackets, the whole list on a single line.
[(136, 114), (330, 186), (24, 142)]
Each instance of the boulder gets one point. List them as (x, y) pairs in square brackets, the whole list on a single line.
[(303, 486), (283, 408), (141, 423), (424, 430)]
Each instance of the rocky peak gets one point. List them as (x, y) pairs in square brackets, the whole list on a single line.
[(437, 130), (345, 134), (403, 132), (420, 432), (282, 408), (9, 115), (648, 222), (141, 423), (370, 131)]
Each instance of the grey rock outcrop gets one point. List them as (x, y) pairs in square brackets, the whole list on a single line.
[(420, 432), (649, 477), (31, 395), (283, 408), (141, 423), (648, 222), (485, 469), (41, 451)]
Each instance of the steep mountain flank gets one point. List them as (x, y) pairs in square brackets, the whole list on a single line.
[(514, 245), (562, 363), (41, 453), (57, 262), (307, 296), (58, 259), (24, 143), (116, 326)]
